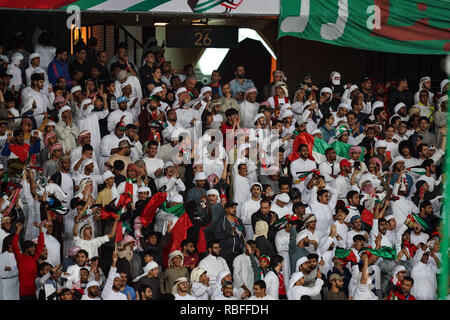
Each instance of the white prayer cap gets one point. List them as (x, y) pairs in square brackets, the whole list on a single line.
[(389, 217), (213, 192), (287, 113), (352, 88), (205, 90), (396, 159), (177, 281), (75, 89), (17, 56), (284, 197), (381, 144), (180, 90), (92, 283), (398, 106), (150, 266), (443, 83), (259, 115), (178, 198), (423, 80), (14, 112), (199, 176), (442, 99), (126, 83), (377, 104), (50, 123), (256, 184), (108, 174), (335, 78), (63, 109), (302, 259), (122, 75), (85, 102), (34, 55), (143, 189), (300, 236), (196, 273), (326, 89), (157, 90), (316, 132), (294, 278), (168, 164), (345, 105)]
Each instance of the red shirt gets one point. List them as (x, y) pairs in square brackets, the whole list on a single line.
[(188, 261), (229, 143), (397, 295), (27, 266)]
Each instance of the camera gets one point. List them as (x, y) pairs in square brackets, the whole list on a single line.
[(203, 204), (357, 165)]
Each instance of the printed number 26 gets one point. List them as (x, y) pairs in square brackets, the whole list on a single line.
[(202, 39)]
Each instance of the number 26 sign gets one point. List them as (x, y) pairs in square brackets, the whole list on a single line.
[(201, 37)]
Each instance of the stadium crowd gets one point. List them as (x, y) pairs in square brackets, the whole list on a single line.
[(126, 182)]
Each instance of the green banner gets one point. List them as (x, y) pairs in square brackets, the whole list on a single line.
[(400, 26)]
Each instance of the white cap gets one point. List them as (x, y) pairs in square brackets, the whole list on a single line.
[(168, 164), (316, 132), (34, 55), (85, 102), (108, 174), (213, 192), (345, 105), (75, 89), (157, 90), (387, 218), (398, 106), (124, 84), (284, 197), (180, 90), (178, 198), (143, 189), (326, 89), (335, 78), (199, 176), (205, 90), (287, 113), (380, 144)]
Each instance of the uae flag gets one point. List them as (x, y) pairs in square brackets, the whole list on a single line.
[(419, 170), (149, 211), (419, 221), (317, 148), (179, 233)]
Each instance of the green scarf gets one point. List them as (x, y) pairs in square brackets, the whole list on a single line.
[(176, 210)]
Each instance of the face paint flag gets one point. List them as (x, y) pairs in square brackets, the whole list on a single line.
[(414, 26)]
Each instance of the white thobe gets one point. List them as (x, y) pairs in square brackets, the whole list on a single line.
[(153, 164), (296, 292), (248, 208), (3, 235), (272, 284), (109, 142), (108, 293), (200, 291), (115, 116), (89, 120), (280, 211), (53, 248), (248, 113), (213, 265), (121, 189), (16, 79), (9, 280), (41, 105), (241, 187), (173, 185), (323, 212), (282, 246), (243, 272), (298, 166), (425, 283)]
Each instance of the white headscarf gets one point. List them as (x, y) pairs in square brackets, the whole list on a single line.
[(148, 267), (196, 274), (173, 254), (397, 269)]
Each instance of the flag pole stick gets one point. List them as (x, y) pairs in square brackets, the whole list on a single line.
[(443, 279)]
